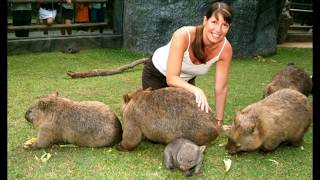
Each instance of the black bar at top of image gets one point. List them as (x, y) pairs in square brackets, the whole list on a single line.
[(51, 1)]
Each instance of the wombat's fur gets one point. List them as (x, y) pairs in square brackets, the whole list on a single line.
[(290, 77), (185, 155), (163, 115), (61, 121), (284, 116)]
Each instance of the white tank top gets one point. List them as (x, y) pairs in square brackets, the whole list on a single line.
[(188, 69)]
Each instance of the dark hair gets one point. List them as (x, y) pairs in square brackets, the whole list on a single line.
[(213, 9)]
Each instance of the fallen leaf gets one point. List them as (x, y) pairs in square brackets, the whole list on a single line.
[(274, 161), (220, 145), (29, 142), (302, 148), (36, 157), (227, 164), (44, 158)]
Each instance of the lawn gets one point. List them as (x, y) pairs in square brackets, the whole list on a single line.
[(38, 74)]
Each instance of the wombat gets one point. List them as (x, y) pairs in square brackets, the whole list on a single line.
[(71, 50), (163, 115), (60, 121), (290, 77), (283, 116), (185, 155)]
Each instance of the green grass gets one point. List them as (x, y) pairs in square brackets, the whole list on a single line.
[(38, 74)]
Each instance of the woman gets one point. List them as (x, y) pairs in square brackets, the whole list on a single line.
[(21, 15), (67, 16), (47, 12), (191, 52)]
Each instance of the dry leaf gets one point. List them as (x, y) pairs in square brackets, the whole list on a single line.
[(274, 161), (227, 164), (36, 157), (45, 157), (29, 142), (302, 148)]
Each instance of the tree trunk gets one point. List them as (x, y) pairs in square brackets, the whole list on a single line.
[(104, 72)]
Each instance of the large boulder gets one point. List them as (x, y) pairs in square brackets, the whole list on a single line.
[(150, 24)]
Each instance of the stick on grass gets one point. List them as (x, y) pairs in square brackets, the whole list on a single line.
[(105, 72)]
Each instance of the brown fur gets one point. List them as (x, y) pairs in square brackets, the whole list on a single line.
[(163, 115), (85, 123), (289, 77), (284, 116)]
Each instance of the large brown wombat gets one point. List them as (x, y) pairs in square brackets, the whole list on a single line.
[(284, 116), (61, 121), (163, 115), (290, 77)]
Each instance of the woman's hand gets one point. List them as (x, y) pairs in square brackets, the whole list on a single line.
[(201, 100)]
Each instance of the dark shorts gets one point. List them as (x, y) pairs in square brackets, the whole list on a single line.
[(152, 77), (19, 18), (67, 13), (96, 15)]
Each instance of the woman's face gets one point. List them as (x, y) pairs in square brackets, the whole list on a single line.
[(215, 29)]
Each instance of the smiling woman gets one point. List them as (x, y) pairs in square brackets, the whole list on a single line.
[(191, 52)]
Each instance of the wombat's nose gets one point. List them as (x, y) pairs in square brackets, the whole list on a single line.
[(27, 115), (183, 168)]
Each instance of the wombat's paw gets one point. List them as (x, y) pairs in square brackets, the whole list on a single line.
[(169, 165), (29, 143), (188, 174), (120, 148), (197, 173)]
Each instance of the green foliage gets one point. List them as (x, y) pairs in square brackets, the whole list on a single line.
[(34, 75)]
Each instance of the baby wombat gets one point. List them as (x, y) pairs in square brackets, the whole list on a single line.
[(61, 121), (185, 155), (163, 115), (284, 116), (290, 77)]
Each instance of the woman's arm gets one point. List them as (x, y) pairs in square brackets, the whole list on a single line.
[(179, 43), (221, 85)]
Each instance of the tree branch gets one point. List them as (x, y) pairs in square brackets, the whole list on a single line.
[(104, 72)]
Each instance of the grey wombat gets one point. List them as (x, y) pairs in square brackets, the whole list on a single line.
[(283, 116), (60, 120), (163, 115), (290, 77), (185, 155)]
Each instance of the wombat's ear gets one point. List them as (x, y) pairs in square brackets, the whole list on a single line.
[(238, 112), (54, 94), (43, 104), (126, 98), (202, 148), (249, 127), (149, 89)]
